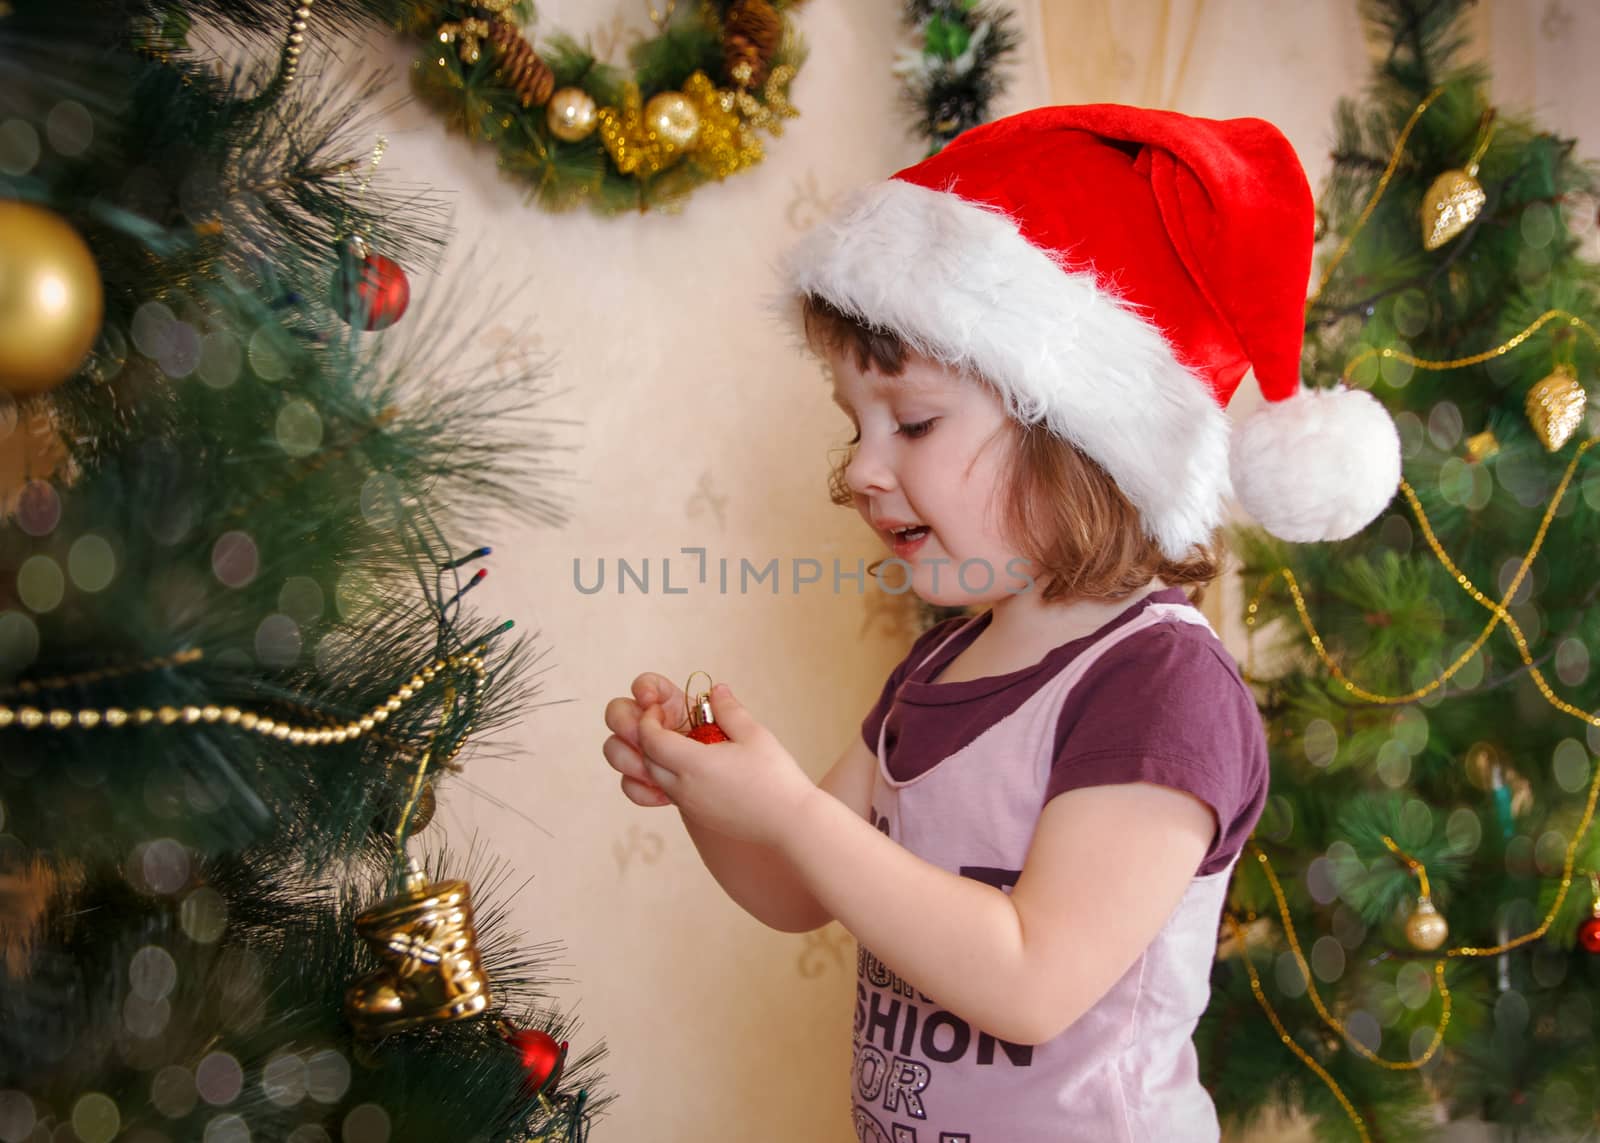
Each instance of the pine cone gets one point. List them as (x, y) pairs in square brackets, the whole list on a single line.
[(524, 72), (752, 31)]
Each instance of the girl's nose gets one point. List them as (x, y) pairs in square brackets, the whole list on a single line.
[(867, 473)]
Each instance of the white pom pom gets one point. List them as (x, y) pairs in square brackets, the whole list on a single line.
[(1318, 466)]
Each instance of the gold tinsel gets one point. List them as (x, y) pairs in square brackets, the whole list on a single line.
[(520, 66), (723, 145), (774, 107)]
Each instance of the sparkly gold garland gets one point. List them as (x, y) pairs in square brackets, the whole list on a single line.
[(1305, 1057), (1389, 352), (33, 718), (1372, 203)]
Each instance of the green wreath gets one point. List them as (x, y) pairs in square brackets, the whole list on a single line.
[(692, 109)]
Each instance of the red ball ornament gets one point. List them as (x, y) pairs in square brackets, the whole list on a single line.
[(1589, 935), (542, 1057), (702, 726), (369, 291)]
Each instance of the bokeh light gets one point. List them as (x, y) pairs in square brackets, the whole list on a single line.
[(366, 1123), (301, 598), (1320, 742), (219, 1079), (221, 359), (40, 584), (227, 1128), (234, 559), (19, 147), (172, 1091), (19, 641), (1413, 984), (17, 1116), (327, 1076), (152, 972), (1327, 959), (95, 1118), (283, 1080), (278, 641), (299, 428), (204, 915), (70, 128), (1570, 765), (164, 865), (1286, 973), (38, 508), (91, 562), (267, 358)]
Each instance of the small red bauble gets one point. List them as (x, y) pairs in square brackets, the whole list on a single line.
[(542, 1057), (1589, 935), (369, 291), (702, 725)]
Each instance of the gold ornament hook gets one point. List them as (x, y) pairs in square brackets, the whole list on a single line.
[(697, 709)]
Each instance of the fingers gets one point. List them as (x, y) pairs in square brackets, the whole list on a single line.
[(622, 719), (651, 688), (663, 749), (642, 794), (625, 759), (736, 722)]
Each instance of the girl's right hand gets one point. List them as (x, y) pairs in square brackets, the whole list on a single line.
[(621, 750)]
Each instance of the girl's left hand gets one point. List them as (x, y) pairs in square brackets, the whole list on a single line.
[(747, 788)]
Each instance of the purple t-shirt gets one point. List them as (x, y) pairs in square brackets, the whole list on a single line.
[(964, 771), (1166, 707)]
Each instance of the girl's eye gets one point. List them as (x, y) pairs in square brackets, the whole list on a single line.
[(917, 430)]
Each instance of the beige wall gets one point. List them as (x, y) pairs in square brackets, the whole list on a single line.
[(701, 427)]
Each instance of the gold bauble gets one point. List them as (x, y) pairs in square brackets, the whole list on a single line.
[(673, 119), (1452, 202), (1556, 406), (1426, 928), (51, 301), (571, 114), (1481, 446), (431, 973)]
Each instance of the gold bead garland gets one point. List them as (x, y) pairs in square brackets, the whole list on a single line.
[(60, 682), (116, 718)]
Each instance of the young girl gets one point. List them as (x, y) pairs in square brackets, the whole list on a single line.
[(1034, 334)]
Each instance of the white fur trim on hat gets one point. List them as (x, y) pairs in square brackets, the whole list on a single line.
[(959, 282), (1320, 465)]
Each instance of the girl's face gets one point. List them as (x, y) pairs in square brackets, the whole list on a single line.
[(930, 452)]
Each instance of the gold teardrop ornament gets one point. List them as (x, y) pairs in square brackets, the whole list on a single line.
[(1556, 406), (1453, 200)]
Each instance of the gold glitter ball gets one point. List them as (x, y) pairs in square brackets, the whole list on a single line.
[(1426, 928), (571, 114), (672, 119)]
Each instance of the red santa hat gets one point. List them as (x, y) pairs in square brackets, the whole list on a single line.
[(1113, 272)]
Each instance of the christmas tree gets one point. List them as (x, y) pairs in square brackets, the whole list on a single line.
[(1413, 934), (235, 656)]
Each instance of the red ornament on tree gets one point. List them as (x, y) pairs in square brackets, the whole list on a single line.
[(1589, 931), (542, 1057), (702, 726), (369, 291), (1589, 935)]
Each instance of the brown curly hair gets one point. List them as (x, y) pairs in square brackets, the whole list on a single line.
[(1085, 536)]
